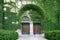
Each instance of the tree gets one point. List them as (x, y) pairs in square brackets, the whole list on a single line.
[(2, 12)]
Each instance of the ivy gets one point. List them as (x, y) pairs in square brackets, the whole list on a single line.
[(30, 7)]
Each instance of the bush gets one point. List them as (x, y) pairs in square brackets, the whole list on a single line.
[(8, 35), (53, 35)]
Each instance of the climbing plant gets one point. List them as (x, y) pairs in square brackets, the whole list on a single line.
[(30, 7), (37, 14), (47, 10)]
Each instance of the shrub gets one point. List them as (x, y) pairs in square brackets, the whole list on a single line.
[(53, 35), (8, 35)]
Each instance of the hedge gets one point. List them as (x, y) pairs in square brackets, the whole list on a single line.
[(53, 35), (8, 35)]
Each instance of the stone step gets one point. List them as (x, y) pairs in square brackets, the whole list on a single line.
[(31, 37)]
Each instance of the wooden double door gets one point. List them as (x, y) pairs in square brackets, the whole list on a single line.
[(36, 28), (26, 28)]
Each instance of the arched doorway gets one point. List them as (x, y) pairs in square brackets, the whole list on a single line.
[(28, 27), (25, 25), (35, 28)]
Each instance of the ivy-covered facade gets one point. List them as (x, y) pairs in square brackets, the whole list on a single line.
[(49, 17)]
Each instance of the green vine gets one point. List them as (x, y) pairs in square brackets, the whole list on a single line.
[(31, 7)]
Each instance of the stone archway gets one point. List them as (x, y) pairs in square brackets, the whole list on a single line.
[(32, 29), (28, 27)]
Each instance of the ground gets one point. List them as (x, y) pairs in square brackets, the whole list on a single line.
[(30, 37)]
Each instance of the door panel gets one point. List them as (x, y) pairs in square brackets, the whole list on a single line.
[(25, 28), (36, 28)]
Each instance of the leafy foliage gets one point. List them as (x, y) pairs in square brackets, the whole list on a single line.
[(47, 10), (35, 17), (8, 35), (53, 35), (50, 11), (30, 7), (50, 8), (13, 4), (11, 17), (11, 20)]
